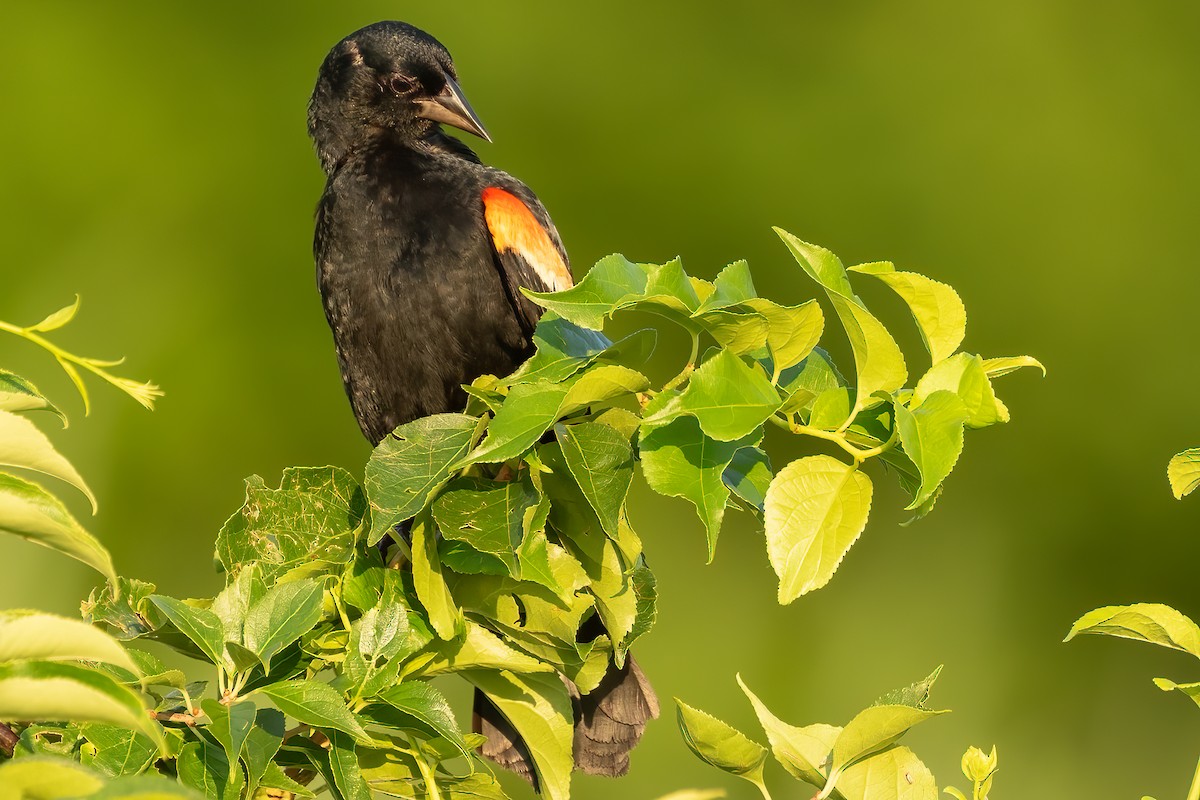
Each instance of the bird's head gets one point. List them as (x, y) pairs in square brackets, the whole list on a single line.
[(385, 78)]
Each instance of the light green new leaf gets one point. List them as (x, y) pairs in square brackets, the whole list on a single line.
[(612, 279), (230, 725), (720, 745), (314, 703), (821, 265), (733, 286), (46, 778), (815, 510), (601, 461), (30, 512), (667, 289), (695, 794), (22, 445), (803, 752), (275, 778), (741, 333), (38, 636), (678, 460), (411, 464), (600, 385), (343, 763), (428, 707), (1184, 472), (932, 435), (937, 308), (894, 774), (285, 613), (1192, 690), (444, 615), (200, 625), (915, 695), (793, 331), (48, 691), (877, 358), (830, 409), (57, 319), (963, 374), (539, 708), (872, 730), (995, 367), (1143, 622), (528, 412), (479, 648), (729, 398), (18, 394)]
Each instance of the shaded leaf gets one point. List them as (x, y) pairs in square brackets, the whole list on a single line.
[(932, 435)]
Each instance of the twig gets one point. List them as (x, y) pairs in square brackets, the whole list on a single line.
[(170, 716), (8, 740)]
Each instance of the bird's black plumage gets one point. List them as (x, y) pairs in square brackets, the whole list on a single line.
[(421, 252)]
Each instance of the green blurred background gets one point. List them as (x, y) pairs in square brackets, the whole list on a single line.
[(1039, 156)]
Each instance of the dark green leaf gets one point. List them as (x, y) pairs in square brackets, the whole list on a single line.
[(199, 625), (428, 707), (749, 475)]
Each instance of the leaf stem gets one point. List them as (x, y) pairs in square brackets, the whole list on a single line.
[(431, 787), (1194, 792), (858, 454), (690, 367)]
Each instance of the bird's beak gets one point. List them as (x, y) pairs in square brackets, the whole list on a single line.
[(450, 106)]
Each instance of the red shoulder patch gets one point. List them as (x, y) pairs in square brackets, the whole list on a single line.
[(514, 228)]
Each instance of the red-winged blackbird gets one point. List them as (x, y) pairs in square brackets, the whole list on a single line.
[(421, 251)]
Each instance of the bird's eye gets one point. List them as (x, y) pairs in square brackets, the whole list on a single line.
[(398, 84)]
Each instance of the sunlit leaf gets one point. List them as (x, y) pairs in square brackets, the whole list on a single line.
[(38, 636), (720, 745), (815, 510), (1184, 472), (932, 435), (22, 445), (1143, 622), (937, 308)]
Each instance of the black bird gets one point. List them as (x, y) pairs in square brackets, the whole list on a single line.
[(421, 250)]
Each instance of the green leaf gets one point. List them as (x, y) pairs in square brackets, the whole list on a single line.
[(937, 308), (831, 409), (38, 636), (678, 460), (667, 285), (284, 614), (56, 320), (47, 778), (233, 602), (230, 725), (602, 385), (479, 648), (793, 331), (205, 767), (1184, 472), (52, 692), (145, 787), (800, 751), (807, 381), (445, 617), (733, 286), (695, 794), (815, 510), (539, 708), (30, 512), (963, 375), (728, 398), (428, 707), (313, 520), (1143, 622), (877, 357), (18, 394), (199, 625), (872, 730), (120, 606), (821, 265), (487, 515), (23, 446), (894, 774), (118, 751), (261, 745), (741, 333), (343, 763), (749, 476), (601, 291), (601, 461), (528, 412), (995, 367), (721, 745), (1192, 690), (932, 435), (915, 695), (314, 703), (410, 465), (275, 778)]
